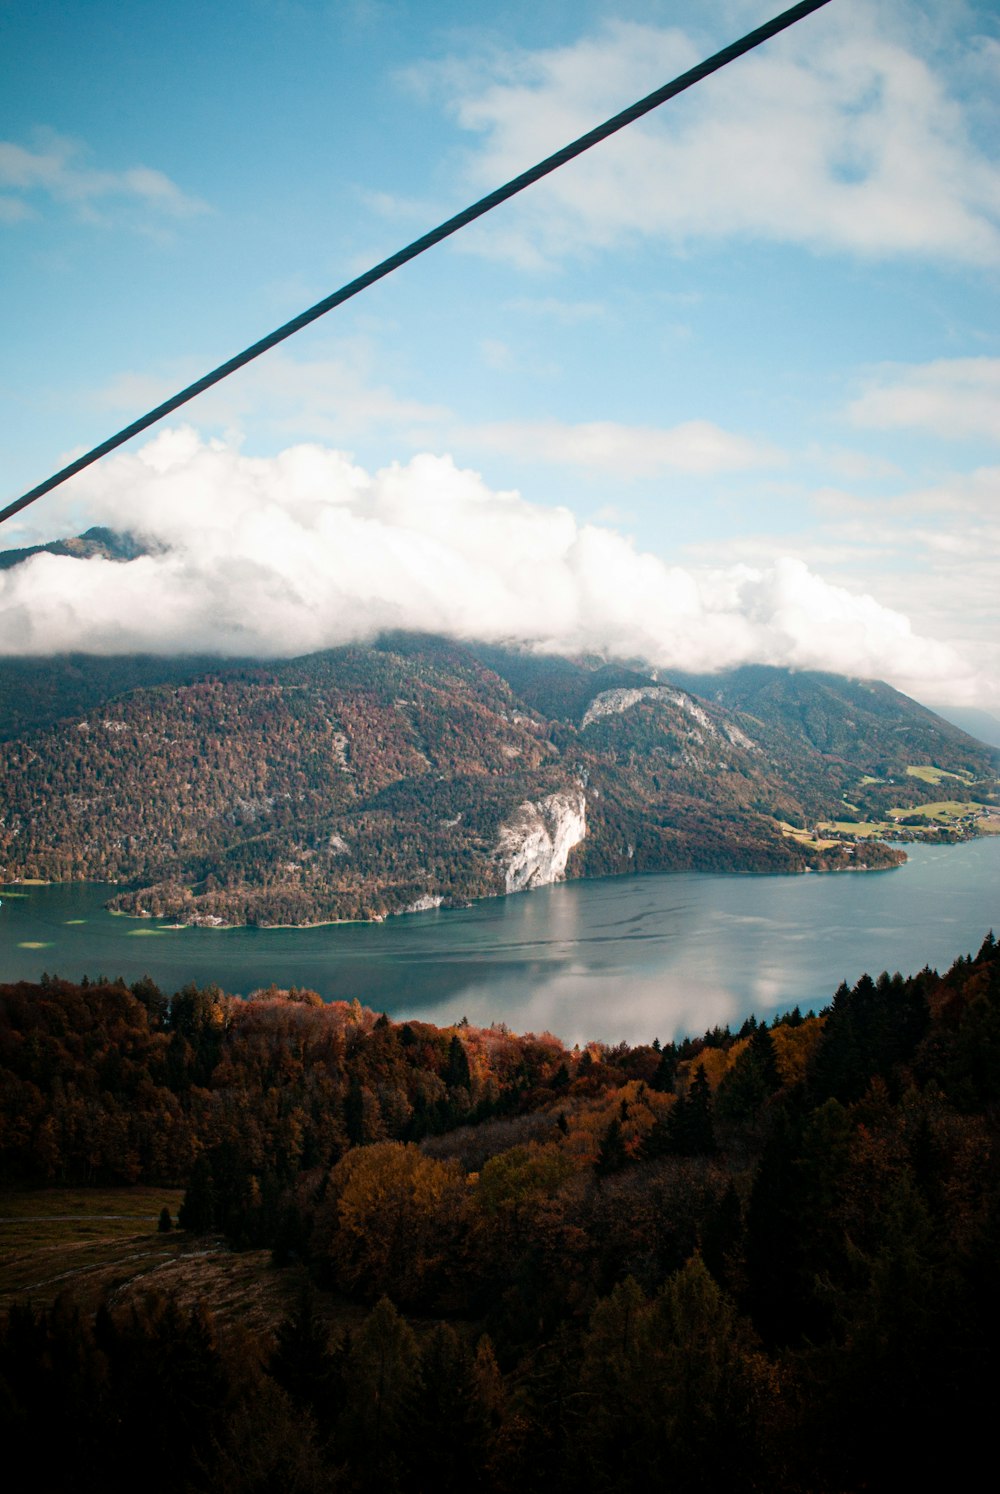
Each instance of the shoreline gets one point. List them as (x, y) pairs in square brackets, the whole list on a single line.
[(221, 927)]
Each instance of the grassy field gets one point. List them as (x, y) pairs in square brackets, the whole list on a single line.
[(861, 829), (793, 832), (101, 1243), (942, 811), (929, 774)]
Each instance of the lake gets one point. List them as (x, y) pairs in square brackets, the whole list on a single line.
[(617, 958)]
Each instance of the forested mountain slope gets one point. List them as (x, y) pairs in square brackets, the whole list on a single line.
[(369, 780), (754, 1260), (864, 721)]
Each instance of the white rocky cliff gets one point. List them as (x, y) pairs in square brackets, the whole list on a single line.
[(535, 843), (614, 702)]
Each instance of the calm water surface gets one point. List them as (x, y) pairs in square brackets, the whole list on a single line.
[(617, 958)]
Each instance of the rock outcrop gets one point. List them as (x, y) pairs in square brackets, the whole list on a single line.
[(424, 904), (613, 702), (534, 845)]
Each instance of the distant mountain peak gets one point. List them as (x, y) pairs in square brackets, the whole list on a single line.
[(109, 544)]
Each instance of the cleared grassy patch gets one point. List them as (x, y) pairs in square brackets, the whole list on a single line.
[(804, 837), (942, 811), (928, 773), (862, 829), (93, 1244), (136, 1206), (59, 1239)]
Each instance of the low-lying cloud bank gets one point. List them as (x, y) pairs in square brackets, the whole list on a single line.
[(305, 550)]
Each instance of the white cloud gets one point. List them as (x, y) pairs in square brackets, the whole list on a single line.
[(283, 555), (855, 466), (836, 135), (331, 397), (696, 447), (497, 355), (928, 554), (58, 169), (972, 492), (334, 398), (398, 209), (568, 313), (953, 397)]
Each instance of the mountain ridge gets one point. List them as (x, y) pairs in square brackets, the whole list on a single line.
[(417, 772)]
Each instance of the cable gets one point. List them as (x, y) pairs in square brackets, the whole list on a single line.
[(427, 241)]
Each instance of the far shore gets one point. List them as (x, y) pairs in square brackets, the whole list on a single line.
[(321, 923), (176, 926)]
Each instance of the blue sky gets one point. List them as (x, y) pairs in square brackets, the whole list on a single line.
[(740, 365)]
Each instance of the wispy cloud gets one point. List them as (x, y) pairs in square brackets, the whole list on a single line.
[(338, 398), (839, 136), (566, 313), (57, 170), (696, 447), (854, 466), (953, 397), (334, 397)]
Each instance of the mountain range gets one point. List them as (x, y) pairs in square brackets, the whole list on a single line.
[(415, 772)]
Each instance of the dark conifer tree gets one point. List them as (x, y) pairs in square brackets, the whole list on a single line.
[(611, 1156), (449, 1421), (665, 1071), (354, 1113), (457, 1075), (763, 1050), (700, 1131), (301, 1362), (197, 1212), (658, 1140)]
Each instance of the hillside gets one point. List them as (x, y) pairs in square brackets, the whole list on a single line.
[(366, 781), (880, 733), (861, 721), (421, 1258)]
